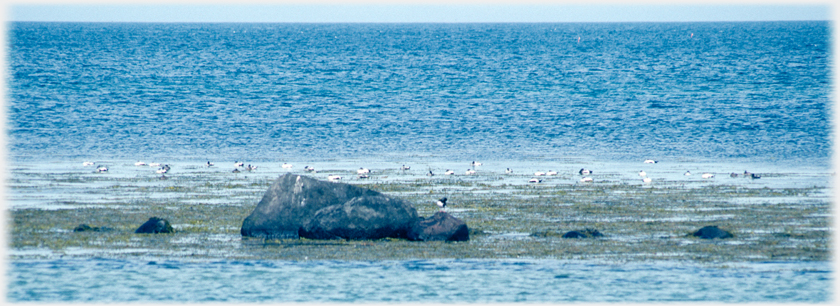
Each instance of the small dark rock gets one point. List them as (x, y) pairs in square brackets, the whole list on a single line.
[(155, 225), (440, 227), (88, 228), (574, 234), (712, 232), (586, 233), (544, 234)]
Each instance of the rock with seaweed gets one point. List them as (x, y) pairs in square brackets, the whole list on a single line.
[(155, 225), (712, 232), (586, 233), (365, 217), (439, 227), (292, 201)]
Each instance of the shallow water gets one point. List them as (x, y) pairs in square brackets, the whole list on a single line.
[(436, 281)]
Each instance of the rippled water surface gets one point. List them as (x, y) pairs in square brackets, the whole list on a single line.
[(442, 281), (265, 91)]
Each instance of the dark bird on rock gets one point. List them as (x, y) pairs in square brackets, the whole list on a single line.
[(441, 203)]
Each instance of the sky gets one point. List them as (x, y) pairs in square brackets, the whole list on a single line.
[(436, 11)]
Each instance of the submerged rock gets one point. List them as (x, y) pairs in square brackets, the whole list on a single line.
[(88, 228), (155, 225), (440, 227), (294, 200), (586, 233), (364, 217), (711, 232)]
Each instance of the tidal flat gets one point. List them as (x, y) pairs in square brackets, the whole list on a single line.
[(784, 216)]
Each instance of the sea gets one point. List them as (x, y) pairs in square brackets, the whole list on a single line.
[(755, 94)]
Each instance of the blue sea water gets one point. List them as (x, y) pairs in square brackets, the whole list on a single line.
[(750, 90), (706, 92), (436, 281)]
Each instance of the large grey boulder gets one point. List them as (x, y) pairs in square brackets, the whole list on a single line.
[(292, 201), (439, 227), (364, 217)]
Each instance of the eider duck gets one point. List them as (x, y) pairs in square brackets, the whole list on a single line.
[(584, 171), (650, 161), (508, 171), (362, 170), (286, 166), (139, 163), (449, 172), (470, 171), (535, 180), (707, 175), (586, 180), (333, 177), (642, 173)]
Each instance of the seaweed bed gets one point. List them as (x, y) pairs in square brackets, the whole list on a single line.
[(507, 219)]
